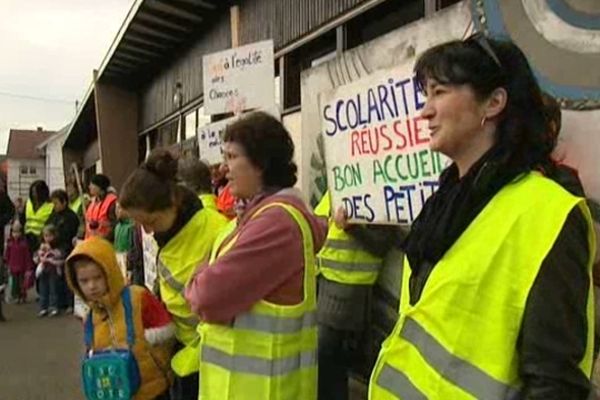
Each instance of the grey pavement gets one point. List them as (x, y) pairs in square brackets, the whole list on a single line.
[(39, 357)]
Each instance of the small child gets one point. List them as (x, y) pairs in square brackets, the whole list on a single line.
[(49, 260), (93, 274), (18, 259)]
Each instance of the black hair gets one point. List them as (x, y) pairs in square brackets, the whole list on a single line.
[(553, 113), (523, 137), (196, 175), (153, 185), (268, 145), (61, 195), (39, 192)]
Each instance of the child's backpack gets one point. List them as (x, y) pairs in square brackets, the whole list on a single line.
[(112, 373)]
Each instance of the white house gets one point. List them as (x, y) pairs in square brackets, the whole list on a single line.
[(52, 149), (26, 163)]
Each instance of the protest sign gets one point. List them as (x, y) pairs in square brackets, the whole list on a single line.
[(210, 144), (379, 166), (239, 79)]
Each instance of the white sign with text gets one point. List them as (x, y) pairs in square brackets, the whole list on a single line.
[(239, 79), (379, 165)]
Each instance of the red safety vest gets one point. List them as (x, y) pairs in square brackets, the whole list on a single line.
[(96, 217)]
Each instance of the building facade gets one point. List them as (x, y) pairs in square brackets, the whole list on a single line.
[(148, 92), (26, 163)]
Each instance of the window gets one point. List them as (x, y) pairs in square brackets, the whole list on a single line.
[(277, 89), (190, 124), (202, 119), (445, 3), (168, 134), (381, 19), (24, 170), (142, 148), (302, 58), (32, 170)]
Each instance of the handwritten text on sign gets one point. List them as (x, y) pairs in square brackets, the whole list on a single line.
[(210, 137), (239, 79), (379, 166), (210, 141)]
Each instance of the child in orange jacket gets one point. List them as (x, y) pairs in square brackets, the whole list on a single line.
[(94, 274)]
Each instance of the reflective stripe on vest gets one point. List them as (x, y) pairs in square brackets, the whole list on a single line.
[(456, 370), (35, 220), (444, 346), (398, 383), (342, 258), (271, 324), (350, 266), (269, 352), (176, 262), (259, 366), (97, 212), (169, 279)]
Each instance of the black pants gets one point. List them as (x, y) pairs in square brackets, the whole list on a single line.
[(65, 295), (185, 388), (334, 363)]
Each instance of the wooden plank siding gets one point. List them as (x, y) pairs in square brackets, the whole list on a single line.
[(287, 20), (282, 20), (156, 99)]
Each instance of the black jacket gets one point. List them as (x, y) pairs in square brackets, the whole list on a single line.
[(66, 223)]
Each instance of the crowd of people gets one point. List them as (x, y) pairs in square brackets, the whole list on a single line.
[(260, 297), (42, 231)]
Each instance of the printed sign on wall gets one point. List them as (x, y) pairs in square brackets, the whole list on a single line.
[(239, 79), (379, 166)]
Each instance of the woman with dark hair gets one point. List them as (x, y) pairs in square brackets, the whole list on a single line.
[(185, 233), (256, 295), (37, 211), (496, 295), (101, 216)]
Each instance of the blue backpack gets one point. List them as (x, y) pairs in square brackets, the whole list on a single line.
[(113, 373)]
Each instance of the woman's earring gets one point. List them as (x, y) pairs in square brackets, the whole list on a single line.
[(483, 121)]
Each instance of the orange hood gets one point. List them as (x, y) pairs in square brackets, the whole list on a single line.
[(103, 254)]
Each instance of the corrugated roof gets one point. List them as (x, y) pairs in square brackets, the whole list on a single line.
[(152, 32), (22, 143)]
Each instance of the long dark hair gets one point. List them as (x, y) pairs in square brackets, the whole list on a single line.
[(523, 137), (39, 193)]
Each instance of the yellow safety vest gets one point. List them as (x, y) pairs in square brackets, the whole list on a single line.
[(75, 205), (208, 200), (177, 261), (35, 220), (459, 341), (270, 352), (342, 258)]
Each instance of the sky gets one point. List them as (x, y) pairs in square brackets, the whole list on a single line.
[(48, 49)]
